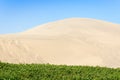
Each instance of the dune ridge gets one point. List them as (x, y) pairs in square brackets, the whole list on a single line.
[(73, 41)]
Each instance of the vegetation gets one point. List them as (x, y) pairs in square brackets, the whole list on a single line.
[(56, 72)]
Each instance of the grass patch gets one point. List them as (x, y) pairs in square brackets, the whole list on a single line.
[(56, 72)]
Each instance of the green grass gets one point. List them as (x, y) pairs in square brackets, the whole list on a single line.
[(56, 72)]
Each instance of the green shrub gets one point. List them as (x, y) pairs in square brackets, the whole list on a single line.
[(56, 72)]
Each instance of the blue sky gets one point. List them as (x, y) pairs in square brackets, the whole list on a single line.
[(20, 15)]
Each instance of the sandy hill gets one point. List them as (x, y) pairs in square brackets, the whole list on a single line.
[(74, 41)]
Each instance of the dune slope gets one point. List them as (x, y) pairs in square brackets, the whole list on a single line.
[(74, 41)]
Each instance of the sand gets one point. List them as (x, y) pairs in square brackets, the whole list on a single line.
[(73, 41)]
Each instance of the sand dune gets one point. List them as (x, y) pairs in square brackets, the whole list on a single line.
[(74, 41)]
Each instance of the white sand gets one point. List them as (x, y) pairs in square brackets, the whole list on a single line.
[(74, 41)]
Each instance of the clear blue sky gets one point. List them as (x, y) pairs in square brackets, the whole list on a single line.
[(20, 15)]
